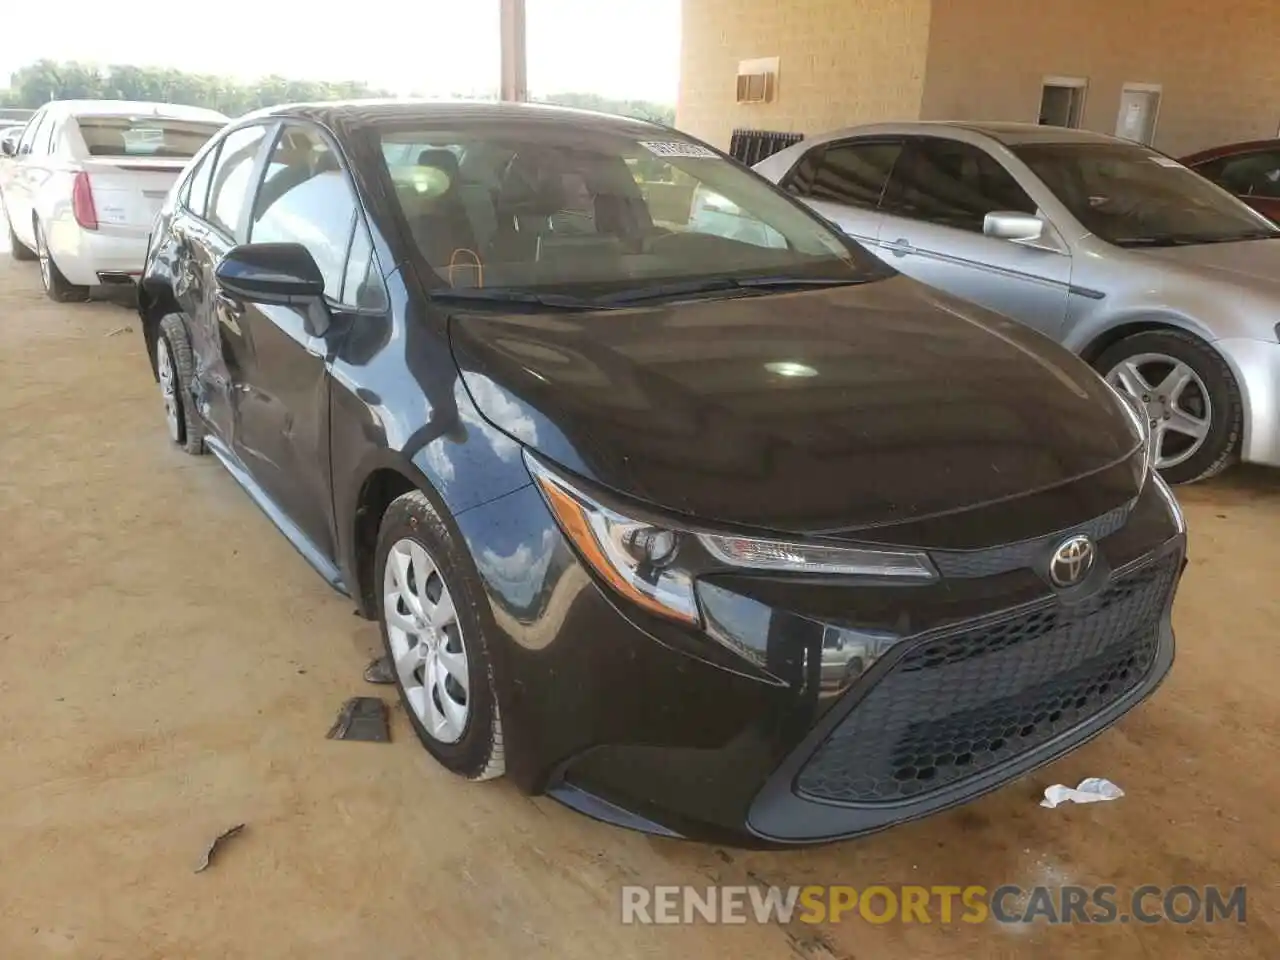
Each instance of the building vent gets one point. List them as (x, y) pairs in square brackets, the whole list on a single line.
[(752, 146), (757, 80)]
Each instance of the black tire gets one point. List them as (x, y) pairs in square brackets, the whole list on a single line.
[(1226, 421), (18, 249), (188, 429), (56, 286), (478, 754)]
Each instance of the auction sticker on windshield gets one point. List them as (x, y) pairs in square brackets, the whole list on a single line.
[(677, 148)]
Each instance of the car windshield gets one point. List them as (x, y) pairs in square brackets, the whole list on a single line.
[(1131, 196), (547, 210), (144, 136)]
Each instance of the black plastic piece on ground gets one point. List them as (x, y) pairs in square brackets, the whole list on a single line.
[(362, 718), (380, 671)]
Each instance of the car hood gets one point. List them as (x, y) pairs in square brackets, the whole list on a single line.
[(816, 412), (1255, 262)]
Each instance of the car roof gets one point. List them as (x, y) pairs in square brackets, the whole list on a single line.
[(1005, 132), (355, 113), (115, 108), (1230, 149)]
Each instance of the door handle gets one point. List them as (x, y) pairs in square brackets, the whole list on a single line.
[(900, 247)]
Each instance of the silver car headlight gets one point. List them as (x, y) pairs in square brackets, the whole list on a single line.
[(654, 563)]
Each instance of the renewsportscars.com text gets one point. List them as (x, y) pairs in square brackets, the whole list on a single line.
[(1148, 904)]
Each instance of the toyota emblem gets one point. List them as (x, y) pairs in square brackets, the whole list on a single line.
[(1071, 562)]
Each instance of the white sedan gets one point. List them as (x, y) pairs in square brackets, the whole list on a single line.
[(84, 181)]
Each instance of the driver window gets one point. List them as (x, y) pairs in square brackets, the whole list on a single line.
[(306, 198), (952, 184)]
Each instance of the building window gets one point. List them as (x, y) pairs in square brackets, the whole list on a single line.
[(1062, 101), (756, 80)]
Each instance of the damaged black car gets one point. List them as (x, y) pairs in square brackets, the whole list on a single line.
[(671, 502)]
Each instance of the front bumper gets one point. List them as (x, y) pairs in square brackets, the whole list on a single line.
[(788, 730), (1256, 366)]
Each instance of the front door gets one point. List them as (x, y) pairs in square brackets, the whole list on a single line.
[(934, 210), (281, 388), (1139, 108), (23, 174)]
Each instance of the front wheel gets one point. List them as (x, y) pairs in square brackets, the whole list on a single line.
[(1190, 397), (433, 634)]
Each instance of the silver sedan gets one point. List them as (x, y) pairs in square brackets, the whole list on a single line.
[(1167, 284)]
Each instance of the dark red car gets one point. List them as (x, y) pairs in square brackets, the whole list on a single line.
[(1250, 170)]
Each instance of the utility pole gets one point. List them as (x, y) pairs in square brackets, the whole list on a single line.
[(515, 82)]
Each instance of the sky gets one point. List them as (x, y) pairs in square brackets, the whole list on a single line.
[(616, 48)]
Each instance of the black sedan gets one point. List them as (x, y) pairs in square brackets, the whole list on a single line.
[(671, 502)]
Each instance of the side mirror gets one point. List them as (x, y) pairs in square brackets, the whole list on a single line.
[(1018, 227), (8, 146), (283, 274)]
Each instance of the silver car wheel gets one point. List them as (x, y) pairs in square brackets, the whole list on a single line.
[(426, 641), (168, 387), (46, 263), (1176, 401)]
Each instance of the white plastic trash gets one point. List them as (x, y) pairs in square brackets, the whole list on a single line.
[(1091, 790)]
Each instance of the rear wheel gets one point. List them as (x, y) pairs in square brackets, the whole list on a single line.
[(174, 371), (56, 286), (1191, 399)]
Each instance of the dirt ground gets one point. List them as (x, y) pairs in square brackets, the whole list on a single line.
[(169, 667)]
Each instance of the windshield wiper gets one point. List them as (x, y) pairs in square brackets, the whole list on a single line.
[(480, 295), (743, 285)]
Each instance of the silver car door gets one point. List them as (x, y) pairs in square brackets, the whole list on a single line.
[(843, 181), (934, 211)]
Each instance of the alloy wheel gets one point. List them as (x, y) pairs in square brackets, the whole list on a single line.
[(46, 263), (168, 387), (427, 646), (1176, 402)]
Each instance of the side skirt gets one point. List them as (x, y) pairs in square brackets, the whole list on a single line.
[(319, 562)]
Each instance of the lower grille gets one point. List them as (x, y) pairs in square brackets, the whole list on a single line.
[(958, 704)]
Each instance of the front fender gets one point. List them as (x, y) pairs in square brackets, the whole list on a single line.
[(1256, 366)]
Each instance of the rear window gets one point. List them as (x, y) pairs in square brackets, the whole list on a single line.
[(144, 136)]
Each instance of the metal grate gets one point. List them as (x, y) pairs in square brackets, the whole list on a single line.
[(959, 704), (752, 146)]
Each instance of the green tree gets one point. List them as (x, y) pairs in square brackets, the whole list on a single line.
[(46, 80), (639, 109)]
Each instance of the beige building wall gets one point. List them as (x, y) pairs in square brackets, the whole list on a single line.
[(844, 62), (841, 61), (1217, 63)]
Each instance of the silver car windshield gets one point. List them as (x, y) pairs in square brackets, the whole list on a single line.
[(546, 208), (1131, 196)]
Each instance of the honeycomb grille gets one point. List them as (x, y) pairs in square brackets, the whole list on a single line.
[(957, 705), (967, 564)]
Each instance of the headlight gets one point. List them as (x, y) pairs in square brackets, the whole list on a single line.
[(654, 564), (1137, 414), (815, 558), (1170, 501)]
